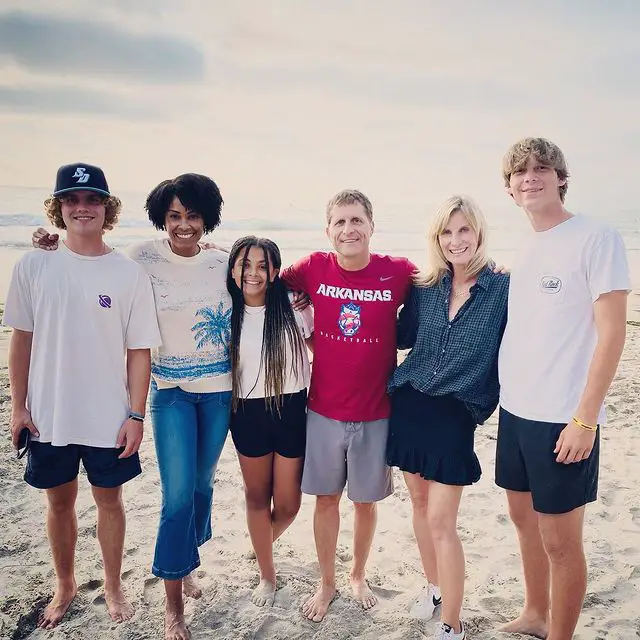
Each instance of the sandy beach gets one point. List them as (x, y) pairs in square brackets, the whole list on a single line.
[(284, 105), (228, 571)]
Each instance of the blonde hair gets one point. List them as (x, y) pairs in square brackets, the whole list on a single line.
[(112, 205), (350, 196), (438, 264), (544, 151)]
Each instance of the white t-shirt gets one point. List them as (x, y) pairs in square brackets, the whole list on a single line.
[(194, 314), (84, 313), (252, 375), (551, 334)]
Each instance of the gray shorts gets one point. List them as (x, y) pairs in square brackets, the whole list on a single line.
[(351, 453)]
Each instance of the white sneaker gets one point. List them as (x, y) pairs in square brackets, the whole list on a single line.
[(445, 632), (424, 605)]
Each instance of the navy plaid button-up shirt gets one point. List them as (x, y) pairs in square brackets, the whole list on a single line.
[(459, 356)]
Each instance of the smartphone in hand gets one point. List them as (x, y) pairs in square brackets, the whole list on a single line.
[(24, 440)]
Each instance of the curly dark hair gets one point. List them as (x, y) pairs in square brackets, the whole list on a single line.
[(112, 204), (196, 192)]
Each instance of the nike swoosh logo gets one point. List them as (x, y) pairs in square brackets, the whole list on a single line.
[(437, 601), (383, 278)]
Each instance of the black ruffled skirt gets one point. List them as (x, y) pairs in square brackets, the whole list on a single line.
[(432, 436)]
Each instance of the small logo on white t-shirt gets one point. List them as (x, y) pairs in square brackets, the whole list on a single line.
[(550, 284), (104, 301)]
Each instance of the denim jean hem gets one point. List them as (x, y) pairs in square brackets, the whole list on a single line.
[(174, 575), (205, 539)]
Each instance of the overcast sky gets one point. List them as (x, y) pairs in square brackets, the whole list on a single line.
[(285, 102)]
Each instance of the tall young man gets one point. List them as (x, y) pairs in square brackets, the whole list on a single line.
[(83, 323), (356, 295), (564, 337)]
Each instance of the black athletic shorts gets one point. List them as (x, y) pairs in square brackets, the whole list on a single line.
[(257, 430), (49, 466), (525, 461)]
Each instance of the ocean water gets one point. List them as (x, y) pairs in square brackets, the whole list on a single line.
[(298, 229)]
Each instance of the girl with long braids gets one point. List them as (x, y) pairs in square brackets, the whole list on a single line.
[(270, 370)]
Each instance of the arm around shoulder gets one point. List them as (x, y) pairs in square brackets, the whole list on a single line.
[(295, 277), (407, 325)]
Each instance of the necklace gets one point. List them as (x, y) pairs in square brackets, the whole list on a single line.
[(460, 294)]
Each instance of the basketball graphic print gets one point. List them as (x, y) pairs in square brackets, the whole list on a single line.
[(104, 301), (349, 320)]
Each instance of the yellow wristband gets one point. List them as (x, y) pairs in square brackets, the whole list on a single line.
[(588, 427)]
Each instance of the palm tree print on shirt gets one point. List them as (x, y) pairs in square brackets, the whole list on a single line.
[(214, 329)]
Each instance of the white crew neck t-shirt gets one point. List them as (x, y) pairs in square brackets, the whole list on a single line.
[(84, 313), (551, 335), (194, 314), (252, 376)]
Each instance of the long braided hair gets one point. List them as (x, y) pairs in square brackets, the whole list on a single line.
[(280, 327)]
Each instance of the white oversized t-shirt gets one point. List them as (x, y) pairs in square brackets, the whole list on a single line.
[(194, 313), (550, 336), (84, 313), (252, 375)]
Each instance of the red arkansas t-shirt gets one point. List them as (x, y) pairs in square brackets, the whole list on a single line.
[(355, 331)]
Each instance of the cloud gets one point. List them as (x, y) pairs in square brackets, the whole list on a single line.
[(72, 101), (43, 43), (399, 88)]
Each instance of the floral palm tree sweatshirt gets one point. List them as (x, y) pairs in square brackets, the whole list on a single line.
[(194, 314)]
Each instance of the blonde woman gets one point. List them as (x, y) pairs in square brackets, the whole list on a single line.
[(453, 322)]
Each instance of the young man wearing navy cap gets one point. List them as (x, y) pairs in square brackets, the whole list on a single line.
[(83, 322)]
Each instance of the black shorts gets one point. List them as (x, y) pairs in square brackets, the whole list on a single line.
[(432, 436), (525, 461), (257, 431), (49, 466)]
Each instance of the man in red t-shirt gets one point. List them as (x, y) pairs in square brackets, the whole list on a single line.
[(356, 295)]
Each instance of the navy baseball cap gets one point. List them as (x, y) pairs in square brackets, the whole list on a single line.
[(81, 177)]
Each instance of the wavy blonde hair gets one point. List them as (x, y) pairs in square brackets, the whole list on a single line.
[(113, 206), (544, 151), (438, 264)]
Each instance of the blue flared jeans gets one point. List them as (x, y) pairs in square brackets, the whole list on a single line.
[(189, 431)]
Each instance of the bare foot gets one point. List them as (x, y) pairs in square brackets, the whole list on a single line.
[(264, 594), (119, 608), (175, 628), (59, 605), (190, 587), (527, 625), (316, 607), (362, 593)]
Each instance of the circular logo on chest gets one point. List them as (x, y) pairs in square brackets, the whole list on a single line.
[(550, 284)]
